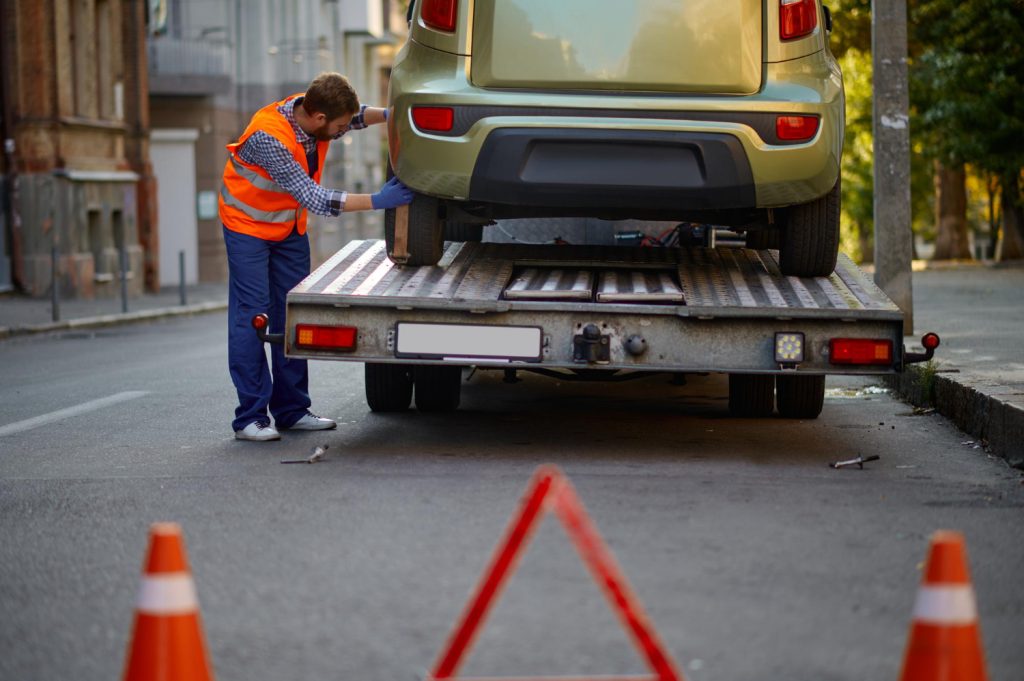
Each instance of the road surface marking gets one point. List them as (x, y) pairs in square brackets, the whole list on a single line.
[(77, 410)]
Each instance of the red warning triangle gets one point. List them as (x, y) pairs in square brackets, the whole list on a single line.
[(549, 490)]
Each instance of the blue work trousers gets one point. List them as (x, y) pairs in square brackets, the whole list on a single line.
[(261, 273)]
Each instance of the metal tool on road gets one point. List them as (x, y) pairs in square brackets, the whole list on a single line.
[(858, 462), (318, 454)]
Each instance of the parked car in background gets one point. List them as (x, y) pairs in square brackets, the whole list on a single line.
[(725, 112)]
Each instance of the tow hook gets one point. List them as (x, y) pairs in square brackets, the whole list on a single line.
[(929, 342), (261, 323), (590, 347)]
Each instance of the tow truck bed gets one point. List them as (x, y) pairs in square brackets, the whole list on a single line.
[(653, 309)]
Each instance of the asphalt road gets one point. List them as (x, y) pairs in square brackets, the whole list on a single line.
[(753, 558)]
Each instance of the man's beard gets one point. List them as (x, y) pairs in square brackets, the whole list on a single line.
[(322, 133)]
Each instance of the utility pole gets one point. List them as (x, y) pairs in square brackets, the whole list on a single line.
[(891, 128)]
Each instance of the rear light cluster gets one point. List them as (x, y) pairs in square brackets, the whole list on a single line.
[(316, 337), (797, 18), (433, 118), (790, 349), (860, 351), (439, 14)]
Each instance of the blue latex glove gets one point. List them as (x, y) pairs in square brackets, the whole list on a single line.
[(391, 195)]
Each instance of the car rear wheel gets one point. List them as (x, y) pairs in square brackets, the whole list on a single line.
[(438, 388), (388, 386), (426, 236), (800, 397), (810, 237), (751, 395)]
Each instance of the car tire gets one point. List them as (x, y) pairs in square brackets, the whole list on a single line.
[(388, 386), (809, 239), (438, 388), (426, 237), (751, 395), (800, 397), (463, 231)]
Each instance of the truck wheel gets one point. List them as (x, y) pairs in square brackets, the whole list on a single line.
[(751, 395), (809, 238), (438, 388), (800, 397), (426, 242), (388, 386), (463, 231)]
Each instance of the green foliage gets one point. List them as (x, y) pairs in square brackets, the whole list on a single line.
[(856, 219), (968, 80), (851, 26)]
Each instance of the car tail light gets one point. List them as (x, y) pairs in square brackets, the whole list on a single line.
[(797, 18), (433, 118), (860, 351), (439, 14), (315, 337), (796, 127)]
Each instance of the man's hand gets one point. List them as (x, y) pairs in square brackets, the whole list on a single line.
[(391, 195)]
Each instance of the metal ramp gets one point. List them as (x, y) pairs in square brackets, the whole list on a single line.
[(698, 282)]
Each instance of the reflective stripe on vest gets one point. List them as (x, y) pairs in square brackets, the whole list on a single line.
[(254, 178), (256, 214)]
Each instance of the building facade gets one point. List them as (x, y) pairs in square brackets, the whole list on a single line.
[(213, 64), (78, 190)]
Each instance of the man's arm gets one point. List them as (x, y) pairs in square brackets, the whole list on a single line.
[(268, 153), (265, 151)]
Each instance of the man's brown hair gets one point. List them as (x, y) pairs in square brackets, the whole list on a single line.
[(332, 95)]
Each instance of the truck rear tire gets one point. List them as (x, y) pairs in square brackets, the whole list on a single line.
[(426, 235), (438, 388), (800, 397), (751, 395), (388, 386), (809, 238)]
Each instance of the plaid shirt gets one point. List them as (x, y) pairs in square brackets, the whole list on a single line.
[(263, 150)]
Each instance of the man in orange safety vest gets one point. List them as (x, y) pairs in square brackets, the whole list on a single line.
[(271, 183)]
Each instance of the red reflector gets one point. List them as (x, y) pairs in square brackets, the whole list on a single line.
[(930, 341), (437, 118), (439, 14), (260, 321), (325, 337), (860, 351), (796, 127), (797, 18)]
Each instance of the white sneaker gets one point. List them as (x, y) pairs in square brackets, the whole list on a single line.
[(313, 422), (258, 432)]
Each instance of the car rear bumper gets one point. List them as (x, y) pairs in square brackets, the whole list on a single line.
[(587, 150), (597, 169)]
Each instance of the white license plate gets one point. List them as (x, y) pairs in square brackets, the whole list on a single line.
[(467, 341)]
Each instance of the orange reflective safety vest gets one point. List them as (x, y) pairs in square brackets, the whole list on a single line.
[(250, 201)]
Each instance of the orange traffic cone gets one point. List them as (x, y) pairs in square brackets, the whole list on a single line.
[(167, 642), (945, 643)]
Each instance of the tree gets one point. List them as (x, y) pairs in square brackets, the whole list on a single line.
[(967, 82)]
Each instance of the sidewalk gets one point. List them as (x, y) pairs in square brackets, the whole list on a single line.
[(976, 380), (21, 315), (977, 377)]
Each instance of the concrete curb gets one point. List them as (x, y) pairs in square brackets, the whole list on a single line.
[(112, 319), (994, 415)]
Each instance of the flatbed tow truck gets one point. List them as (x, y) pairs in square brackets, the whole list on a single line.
[(594, 312)]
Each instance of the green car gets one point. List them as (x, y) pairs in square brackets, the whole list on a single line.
[(725, 112)]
